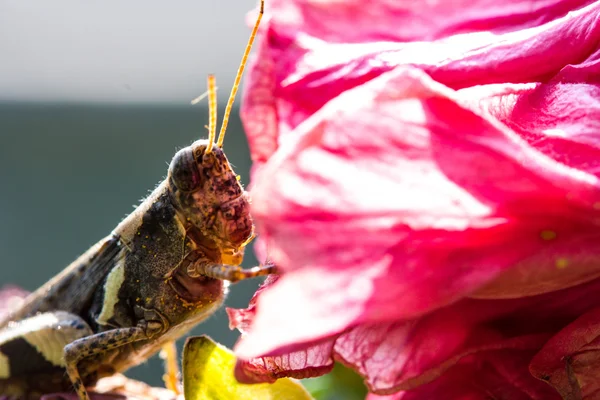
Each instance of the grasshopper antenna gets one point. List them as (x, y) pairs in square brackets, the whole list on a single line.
[(212, 112), (212, 109), (238, 77), (200, 98)]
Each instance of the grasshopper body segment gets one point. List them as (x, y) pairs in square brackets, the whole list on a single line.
[(138, 288)]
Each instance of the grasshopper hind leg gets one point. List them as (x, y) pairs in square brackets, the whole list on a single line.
[(97, 345), (31, 353)]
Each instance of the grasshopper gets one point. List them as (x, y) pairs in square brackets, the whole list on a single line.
[(162, 270)]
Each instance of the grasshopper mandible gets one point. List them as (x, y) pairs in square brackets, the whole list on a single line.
[(164, 268)]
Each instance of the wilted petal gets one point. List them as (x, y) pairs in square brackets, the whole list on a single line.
[(306, 362), (396, 356), (405, 356), (315, 360), (570, 361), (560, 118), (468, 331), (241, 319), (295, 74), (259, 105), (401, 21), (570, 261), (499, 375)]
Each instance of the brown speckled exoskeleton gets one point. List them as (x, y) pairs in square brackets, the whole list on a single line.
[(162, 270)]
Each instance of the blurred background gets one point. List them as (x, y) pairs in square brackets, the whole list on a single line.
[(94, 102)]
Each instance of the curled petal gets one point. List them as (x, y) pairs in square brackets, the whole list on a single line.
[(295, 74), (500, 375), (258, 112), (241, 319), (353, 21), (307, 362), (316, 360), (560, 119), (570, 360), (407, 357)]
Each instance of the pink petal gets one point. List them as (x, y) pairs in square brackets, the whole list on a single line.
[(258, 111), (401, 21), (499, 375), (241, 319), (11, 297), (295, 75), (397, 356), (417, 196), (316, 360), (570, 360), (568, 262), (305, 363), (407, 355), (370, 254), (560, 119)]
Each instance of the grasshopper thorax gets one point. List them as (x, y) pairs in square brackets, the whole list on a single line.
[(207, 194)]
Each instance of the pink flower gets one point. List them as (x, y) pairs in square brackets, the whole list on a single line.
[(427, 177)]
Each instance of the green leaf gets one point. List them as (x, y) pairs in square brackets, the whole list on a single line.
[(208, 375), (341, 383)]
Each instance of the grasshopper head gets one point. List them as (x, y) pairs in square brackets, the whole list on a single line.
[(207, 193)]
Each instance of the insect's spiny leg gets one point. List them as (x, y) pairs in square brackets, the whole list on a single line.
[(171, 376), (238, 77), (212, 110), (233, 273)]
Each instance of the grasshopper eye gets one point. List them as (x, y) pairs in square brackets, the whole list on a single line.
[(229, 213), (183, 171)]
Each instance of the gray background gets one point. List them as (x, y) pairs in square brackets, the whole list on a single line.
[(94, 102), (116, 51)]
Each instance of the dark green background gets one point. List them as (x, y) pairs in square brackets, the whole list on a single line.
[(70, 173)]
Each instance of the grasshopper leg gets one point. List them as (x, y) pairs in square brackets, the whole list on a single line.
[(36, 343), (171, 376), (232, 273), (101, 342)]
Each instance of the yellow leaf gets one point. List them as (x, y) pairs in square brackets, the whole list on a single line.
[(208, 375)]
